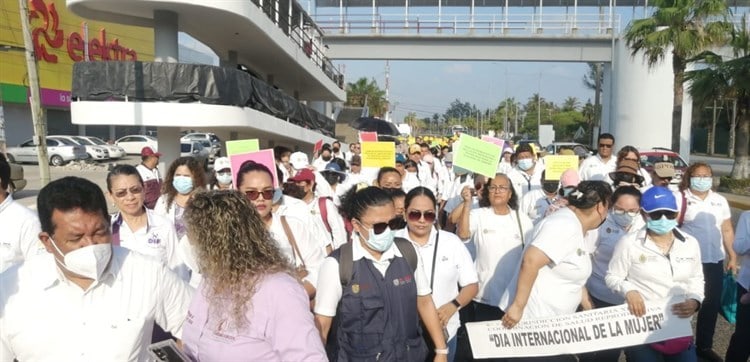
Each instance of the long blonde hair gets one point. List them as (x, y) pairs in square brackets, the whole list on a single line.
[(234, 251)]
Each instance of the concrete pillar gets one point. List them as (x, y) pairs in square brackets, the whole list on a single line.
[(81, 129), (112, 134), (169, 146), (165, 36), (319, 106), (687, 119), (641, 113), (607, 90)]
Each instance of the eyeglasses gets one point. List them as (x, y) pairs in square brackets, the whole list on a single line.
[(380, 227), (416, 215), (620, 211), (498, 188), (656, 215), (605, 145), (135, 190), (253, 195)]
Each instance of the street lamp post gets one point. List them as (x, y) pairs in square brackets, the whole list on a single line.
[(37, 116)]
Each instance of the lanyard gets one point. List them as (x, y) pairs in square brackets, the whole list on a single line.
[(434, 258)]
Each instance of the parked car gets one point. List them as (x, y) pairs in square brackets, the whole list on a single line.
[(134, 144), (196, 150), (651, 156), (210, 137), (60, 152), (554, 148), (115, 151), (212, 152), (97, 153)]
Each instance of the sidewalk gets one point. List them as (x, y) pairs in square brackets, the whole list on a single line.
[(737, 201)]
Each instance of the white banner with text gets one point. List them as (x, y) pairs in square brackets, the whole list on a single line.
[(588, 331)]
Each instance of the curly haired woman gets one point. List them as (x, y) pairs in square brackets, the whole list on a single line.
[(249, 306)]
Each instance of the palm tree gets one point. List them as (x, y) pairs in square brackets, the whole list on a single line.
[(729, 80), (685, 28), (570, 104), (366, 93)]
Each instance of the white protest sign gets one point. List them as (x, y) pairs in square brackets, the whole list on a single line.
[(588, 331)]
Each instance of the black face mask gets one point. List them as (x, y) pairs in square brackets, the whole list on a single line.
[(390, 189), (335, 150), (331, 177), (398, 223), (326, 158), (549, 187)]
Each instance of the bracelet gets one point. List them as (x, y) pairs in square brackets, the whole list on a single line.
[(441, 351), (456, 303)]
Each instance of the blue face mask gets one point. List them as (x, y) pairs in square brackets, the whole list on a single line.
[(525, 164), (380, 242), (183, 184), (661, 226), (701, 184)]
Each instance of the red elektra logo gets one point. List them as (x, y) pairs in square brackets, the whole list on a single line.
[(50, 34)]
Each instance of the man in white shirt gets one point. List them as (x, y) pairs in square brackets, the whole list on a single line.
[(325, 156), (597, 168), (527, 174), (324, 212), (20, 226), (150, 176), (85, 299)]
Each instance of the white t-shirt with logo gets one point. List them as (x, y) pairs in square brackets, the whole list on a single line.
[(703, 219), (559, 285)]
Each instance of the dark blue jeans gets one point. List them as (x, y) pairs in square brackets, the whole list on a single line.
[(713, 275), (739, 345)]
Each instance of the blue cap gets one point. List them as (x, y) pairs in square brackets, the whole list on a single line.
[(400, 158), (658, 198), (334, 167)]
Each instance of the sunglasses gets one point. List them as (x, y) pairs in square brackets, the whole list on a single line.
[(604, 145), (135, 190), (254, 194), (415, 215), (380, 227), (656, 215), (627, 178)]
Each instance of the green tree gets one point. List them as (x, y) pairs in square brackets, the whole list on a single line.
[(571, 104), (418, 126), (729, 79), (367, 93), (684, 27)]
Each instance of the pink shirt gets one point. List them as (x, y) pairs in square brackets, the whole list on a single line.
[(279, 327)]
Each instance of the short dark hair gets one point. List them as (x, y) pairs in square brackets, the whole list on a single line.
[(122, 170), (356, 202), (385, 170), (589, 194), (280, 151), (606, 136), (525, 147), (67, 194), (4, 173), (420, 191), (626, 190)]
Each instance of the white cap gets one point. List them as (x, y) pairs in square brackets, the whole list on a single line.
[(222, 163), (299, 160)]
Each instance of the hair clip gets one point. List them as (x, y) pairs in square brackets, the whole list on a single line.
[(361, 186), (577, 194)]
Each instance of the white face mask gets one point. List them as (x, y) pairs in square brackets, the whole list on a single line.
[(88, 261), (224, 179)]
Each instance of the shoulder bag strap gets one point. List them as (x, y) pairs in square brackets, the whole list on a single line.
[(434, 259), (520, 228), (290, 236), (683, 209)]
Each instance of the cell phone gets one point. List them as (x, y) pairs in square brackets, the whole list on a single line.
[(167, 351), (473, 192)]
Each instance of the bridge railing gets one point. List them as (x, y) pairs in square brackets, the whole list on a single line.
[(479, 25)]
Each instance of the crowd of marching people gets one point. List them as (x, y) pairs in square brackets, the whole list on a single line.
[(342, 262)]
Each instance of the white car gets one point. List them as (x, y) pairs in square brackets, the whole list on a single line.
[(214, 140), (60, 151), (196, 150), (97, 153), (135, 143), (114, 150)]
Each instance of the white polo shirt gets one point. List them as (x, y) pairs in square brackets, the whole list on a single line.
[(741, 246), (535, 203), (559, 285), (299, 210), (329, 290), (703, 219), (47, 318), (310, 249), (337, 236), (19, 238), (497, 239), (638, 264), (595, 169), (453, 268), (523, 182), (158, 239), (605, 238)]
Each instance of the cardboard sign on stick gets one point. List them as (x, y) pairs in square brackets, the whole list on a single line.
[(477, 156), (378, 154), (264, 157)]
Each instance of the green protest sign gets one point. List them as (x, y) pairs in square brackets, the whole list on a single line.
[(242, 146), (477, 156)]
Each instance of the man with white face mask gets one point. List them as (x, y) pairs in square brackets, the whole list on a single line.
[(86, 299)]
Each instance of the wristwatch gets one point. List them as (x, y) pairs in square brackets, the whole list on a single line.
[(456, 303)]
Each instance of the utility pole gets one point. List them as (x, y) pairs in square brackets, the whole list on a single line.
[(539, 106), (37, 115)]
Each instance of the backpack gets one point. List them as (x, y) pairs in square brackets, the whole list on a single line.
[(346, 264)]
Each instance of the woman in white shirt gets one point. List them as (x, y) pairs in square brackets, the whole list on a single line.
[(292, 235), (707, 217), (657, 263), (739, 348), (624, 218), (447, 262), (556, 265), (185, 177), (134, 226), (498, 231)]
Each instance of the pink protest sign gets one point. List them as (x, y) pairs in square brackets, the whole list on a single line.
[(318, 146), (368, 136), (263, 157), (494, 140)]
